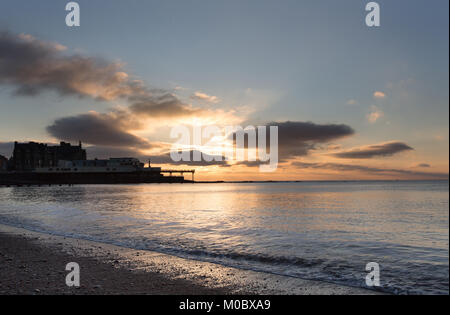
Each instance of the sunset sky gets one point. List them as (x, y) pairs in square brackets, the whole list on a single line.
[(351, 102)]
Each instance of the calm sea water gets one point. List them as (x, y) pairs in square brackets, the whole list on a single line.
[(323, 231)]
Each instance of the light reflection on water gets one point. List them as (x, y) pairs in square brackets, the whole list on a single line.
[(325, 231)]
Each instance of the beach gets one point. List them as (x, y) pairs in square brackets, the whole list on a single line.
[(34, 263)]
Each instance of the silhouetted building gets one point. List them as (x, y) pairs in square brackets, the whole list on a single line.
[(3, 164), (28, 156)]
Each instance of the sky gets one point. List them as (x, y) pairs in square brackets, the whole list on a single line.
[(350, 102)]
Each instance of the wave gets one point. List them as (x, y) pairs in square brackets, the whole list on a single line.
[(326, 270)]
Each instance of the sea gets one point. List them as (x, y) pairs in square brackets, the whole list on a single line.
[(326, 231)]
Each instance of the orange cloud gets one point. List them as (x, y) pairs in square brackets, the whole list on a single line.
[(205, 97), (379, 94), (374, 115)]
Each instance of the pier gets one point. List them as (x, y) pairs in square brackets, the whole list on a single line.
[(40, 164), (181, 172)]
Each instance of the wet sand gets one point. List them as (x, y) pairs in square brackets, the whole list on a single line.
[(34, 263)]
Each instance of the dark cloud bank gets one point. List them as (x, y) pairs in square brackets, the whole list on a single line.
[(368, 169), (377, 150), (299, 138), (95, 128), (33, 66)]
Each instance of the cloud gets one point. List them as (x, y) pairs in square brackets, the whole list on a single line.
[(423, 165), (379, 95), (205, 97), (374, 114), (252, 163), (369, 170), (54, 46), (333, 147), (166, 105), (299, 138), (376, 150), (352, 102), (97, 129), (33, 66)]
